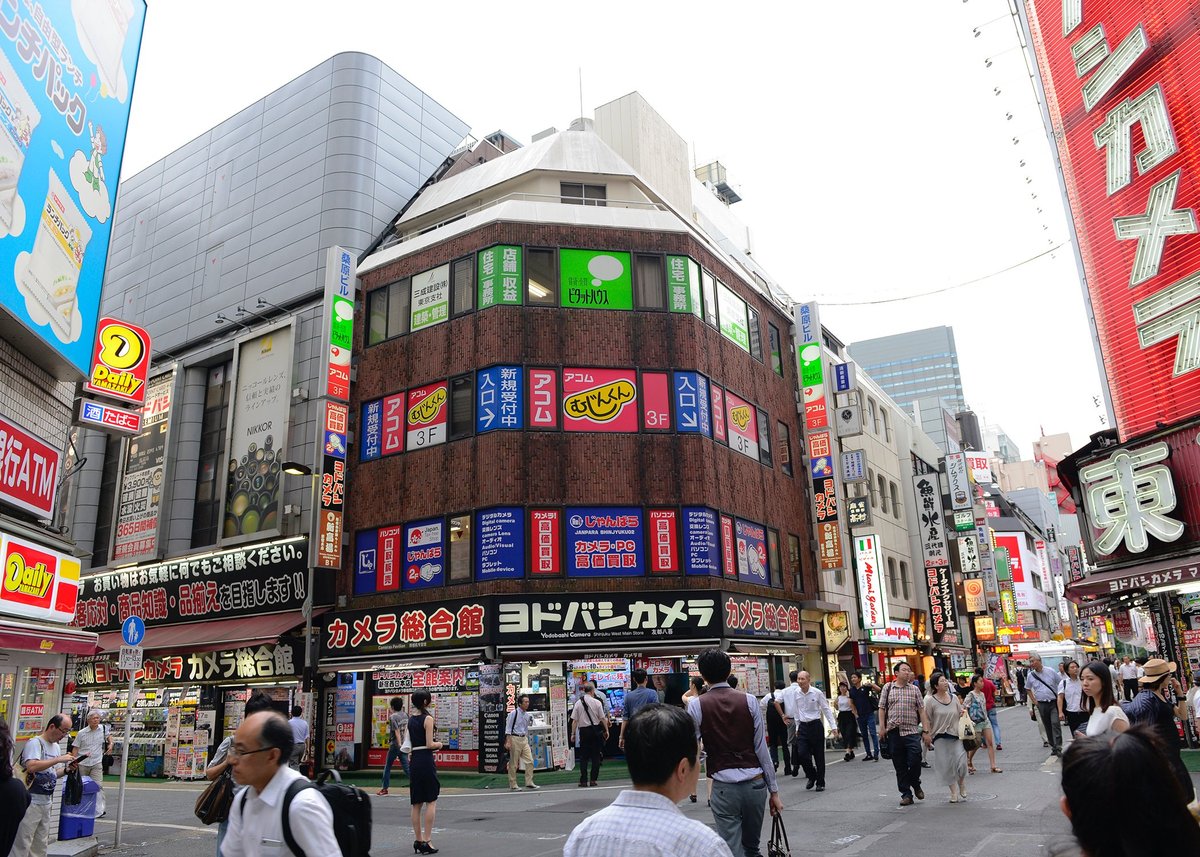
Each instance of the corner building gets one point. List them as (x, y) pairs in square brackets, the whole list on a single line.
[(575, 446)]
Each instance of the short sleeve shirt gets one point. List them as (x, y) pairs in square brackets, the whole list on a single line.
[(398, 722), (36, 749), (903, 708)]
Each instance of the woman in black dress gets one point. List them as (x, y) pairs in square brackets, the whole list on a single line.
[(423, 787), (14, 797)]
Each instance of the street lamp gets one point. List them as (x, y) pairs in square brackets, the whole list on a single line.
[(295, 468)]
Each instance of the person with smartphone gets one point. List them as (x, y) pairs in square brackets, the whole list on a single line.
[(43, 761)]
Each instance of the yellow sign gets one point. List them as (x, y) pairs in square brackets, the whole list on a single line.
[(428, 408), (740, 416), (600, 404)]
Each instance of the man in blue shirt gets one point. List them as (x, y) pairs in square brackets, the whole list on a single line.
[(1041, 684), (636, 699)]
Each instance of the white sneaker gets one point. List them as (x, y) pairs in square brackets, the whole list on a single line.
[(533, 787), (514, 788)]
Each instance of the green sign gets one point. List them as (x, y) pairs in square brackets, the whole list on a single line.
[(595, 279), (811, 372), (733, 317), (683, 285), (499, 276), (964, 521), (341, 323), (1000, 558), (430, 298)]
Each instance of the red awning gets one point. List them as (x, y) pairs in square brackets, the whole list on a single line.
[(213, 636), (48, 639)]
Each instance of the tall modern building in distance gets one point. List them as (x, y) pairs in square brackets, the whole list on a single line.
[(914, 365)]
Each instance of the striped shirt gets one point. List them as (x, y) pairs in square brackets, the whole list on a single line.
[(643, 824)]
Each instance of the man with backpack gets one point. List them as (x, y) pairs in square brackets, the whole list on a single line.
[(259, 754)]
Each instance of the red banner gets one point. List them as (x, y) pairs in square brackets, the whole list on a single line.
[(546, 536), (663, 532), (28, 470)]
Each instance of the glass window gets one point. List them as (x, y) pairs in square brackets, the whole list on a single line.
[(399, 301), (872, 419), (462, 407), (113, 452), (887, 428), (764, 438), (776, 348), (893, 580), (709, 286), (462, 286), (783, 440), (773, 558), (894, 494), (210, 474), (460, 549), (794, 563), (539, 268), (377, 315), (574, 193), (755, 334), (871, 485), (883, 500), (650, 287), (904, 582)]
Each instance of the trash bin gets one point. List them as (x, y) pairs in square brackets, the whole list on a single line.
[(76, 821)]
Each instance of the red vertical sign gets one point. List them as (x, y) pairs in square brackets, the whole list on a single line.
[(728, 548), (656, 402), (388, 564), (543, 399), (718, 413), (663, 547), (545, 531), (393, 424)]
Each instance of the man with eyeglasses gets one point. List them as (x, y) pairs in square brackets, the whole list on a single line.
[(261, 748), (43, 758)]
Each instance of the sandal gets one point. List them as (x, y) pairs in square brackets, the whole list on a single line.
[(997, 770), (970, 769)]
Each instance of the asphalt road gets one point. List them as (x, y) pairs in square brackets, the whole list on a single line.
[(1006, 815)]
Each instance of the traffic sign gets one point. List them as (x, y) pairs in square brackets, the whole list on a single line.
[(133, 631), (130, 658)]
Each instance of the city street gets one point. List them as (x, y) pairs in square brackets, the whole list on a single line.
[(1014, 813)]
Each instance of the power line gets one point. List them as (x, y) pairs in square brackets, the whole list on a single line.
[(946, 288)]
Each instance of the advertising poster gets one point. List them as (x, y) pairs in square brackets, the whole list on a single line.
[(664, 541), (425, 554), (701, 550), (345, 721), (959, 481), (499, 276), (751, 552), (381, 740), (491, 718), (120, 362), (371, 434), (595, 279), (656, 402), (543, 398), (38, 583), (683, 285), (29, 471), (331, 497), (430, 298), (691, 404), (600, 400), (428, 414), (873, 604), (973, 591), (136, 526), (391, 434), (743, 425), (339, 324), (718, 413), (258, 435), (67, 71), (500, 543), (366, 561), (605, 542), (728, 548), (732, 310), (499, 400), (545, 531)]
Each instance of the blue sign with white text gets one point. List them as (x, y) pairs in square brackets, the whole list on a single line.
[(500, 543), (605, 542), (366, 561), (424, 554), (499, 399), (692, 414), (701, 548)]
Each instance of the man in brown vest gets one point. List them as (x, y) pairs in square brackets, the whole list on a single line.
[(730, 723)]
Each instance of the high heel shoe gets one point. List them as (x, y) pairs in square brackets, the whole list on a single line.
[(417, 843), (426, 848)]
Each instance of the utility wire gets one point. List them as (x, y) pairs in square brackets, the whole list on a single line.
[(946, 288)]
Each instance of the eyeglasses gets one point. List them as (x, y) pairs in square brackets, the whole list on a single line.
[(234, 752)]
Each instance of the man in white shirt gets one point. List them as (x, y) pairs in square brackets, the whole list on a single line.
[(788, 701), (663, 757), (93, 741), (42, 757), (808, 750), (261, 748), (1129, 677)]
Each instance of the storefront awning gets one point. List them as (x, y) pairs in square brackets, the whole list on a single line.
[(48, 639), (1147, 575), (213, 636)]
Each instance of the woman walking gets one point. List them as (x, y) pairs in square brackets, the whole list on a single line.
[(423, 787), (976, 706), (847, 720), (949, 757), (1070, 699), (1100, 701)]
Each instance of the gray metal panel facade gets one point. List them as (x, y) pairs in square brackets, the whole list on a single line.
[(247, 211)]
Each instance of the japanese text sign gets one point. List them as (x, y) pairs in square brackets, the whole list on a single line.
[(545, 533), (663, 533), (959, 481), (120, 361), (743, 425), (28, 470), (929, 518), (592, 279), (702, 550), (384, 630), (339, 322), (500, 543), (543, 398), (605, 542), (616, 616), (424, 554), (656, 401), (428, 414), (600, 400), (872, 593), (499, 276), (748, 616), (38, 582), (107, 417), (499, 399), (751, 552), (430, 298)]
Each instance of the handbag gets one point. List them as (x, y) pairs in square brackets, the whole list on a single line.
[(73, 792), (778, 846), (214, 802), (406, 746), (967, 732)]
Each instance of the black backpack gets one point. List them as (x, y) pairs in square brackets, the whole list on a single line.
[(351, 809)]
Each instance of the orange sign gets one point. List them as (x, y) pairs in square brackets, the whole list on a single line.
[(985, 628), (120, 361), (37, 583)]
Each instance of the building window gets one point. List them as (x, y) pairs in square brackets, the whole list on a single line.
[(773, 559), (709, 287), (755, 334), (883, 499), (649, 284), (887, 428), (583, 194), (460, 549), (794, 563), (462, 286), (783, 440), (764, 438), (776, 349), (872, 419), (539, 269), (399, 302), (893, 578), (210, 475), (377, 315), (108, 496), (904, 581), (462, 407), (893, 492), (871, 486)]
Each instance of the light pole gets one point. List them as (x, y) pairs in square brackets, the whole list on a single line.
[(295, 468)]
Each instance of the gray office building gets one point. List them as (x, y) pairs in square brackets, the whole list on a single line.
[(919, 364)]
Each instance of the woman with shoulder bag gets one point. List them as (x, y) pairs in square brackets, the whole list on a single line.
[(976, 705), (949, 756)]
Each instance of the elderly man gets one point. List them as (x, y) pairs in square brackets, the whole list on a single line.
[(1041, 684), (44, 758), (261, 748), (94, 741), (808, 749)]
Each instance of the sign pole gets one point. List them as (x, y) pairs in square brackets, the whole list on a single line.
[(133, 632), (125, 759)]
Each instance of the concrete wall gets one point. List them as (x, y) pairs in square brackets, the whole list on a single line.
[(641, 136)]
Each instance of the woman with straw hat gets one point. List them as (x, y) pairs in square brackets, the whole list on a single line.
[(1151, 707)]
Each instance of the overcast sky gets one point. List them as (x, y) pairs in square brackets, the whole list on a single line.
[(869, 140)]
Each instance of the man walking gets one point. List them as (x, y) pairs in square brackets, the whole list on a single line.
[(730, 724), (44, 759), (789, 702), (636, 699), (865, 705), (397, 729), (809, 750), (92, 742), (299, 738), (1042, 686), (516, 742), (591, 725), (1129, 677), (902, 720)]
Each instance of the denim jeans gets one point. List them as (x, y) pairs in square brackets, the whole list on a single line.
[(738, 810), (906, 759), (995, 721), (866, 728), (394, 754)]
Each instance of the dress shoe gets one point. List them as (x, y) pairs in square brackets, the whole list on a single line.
[(795, 773), (920, 794), (810, 784), (820, 787), (925, 765), (906, 801), (999, 747)]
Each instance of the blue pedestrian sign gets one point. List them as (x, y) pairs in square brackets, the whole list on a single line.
[(133, 631)]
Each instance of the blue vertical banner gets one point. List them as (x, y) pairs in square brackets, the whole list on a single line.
[(366, 561), (500, 543), (701, 547), (371, 431), (499, 399), (605, 542), (692, 415)]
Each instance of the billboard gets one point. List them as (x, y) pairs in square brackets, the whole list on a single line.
[(751, 552), (692, 415), (66, 75), (662, 525), (595, 279), (600, 400), (28, 470), (683, 285), (742, 420), (499, 399), (258, 433), (331, 498), (120, 361), (499, 276), (545, 533), (430, 298), (38, 583), (425, 554), (428, 415), (605, 542), (143, 480), (701, 549), (338, 336), (872, 594), (543, 398), (1108, 68), (500, 543), (734, 324), (960, 484)]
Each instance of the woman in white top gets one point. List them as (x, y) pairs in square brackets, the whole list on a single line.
[(1070, 699), (847, 720), (1101, 704)]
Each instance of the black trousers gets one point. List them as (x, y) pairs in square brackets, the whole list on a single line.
[(808, 751), (591, 749), (1048, 711), (906, 759), (776, 739), (14, 798), (1076, 720), (1131, 688)]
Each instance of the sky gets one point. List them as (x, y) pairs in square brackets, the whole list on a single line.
[(886, 170)]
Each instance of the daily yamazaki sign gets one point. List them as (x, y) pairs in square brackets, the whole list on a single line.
[(120, 361), (38, 583)]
